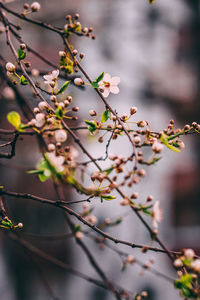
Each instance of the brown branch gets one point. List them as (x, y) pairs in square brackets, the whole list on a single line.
[(60, 204), (54, 260)]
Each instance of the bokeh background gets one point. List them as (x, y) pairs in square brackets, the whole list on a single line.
[(155, 49)]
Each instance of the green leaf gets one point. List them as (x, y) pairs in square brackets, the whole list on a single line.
[(165, 140), (108, 198), (109, 170), (78, 28), (59, 113), (21, 54), (100, 77), (187, 261), (42, 177), (185, 285), (105, 116), (151, 1), (63, 88), (23, 80), (77, 227), (92, 125), (145, 209), (14, 118), (35, 172), (95, 84)]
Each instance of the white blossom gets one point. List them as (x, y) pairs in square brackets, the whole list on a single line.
[(35, 72), (10, 67), (40, 119), (56, 161), (8, 93), (109, 85), (157, 147), (195, 265), (35, 6), (62, 53), (157, 214), (51, 78), (42, 105), (78, 81), (60, 136), (189, 253)]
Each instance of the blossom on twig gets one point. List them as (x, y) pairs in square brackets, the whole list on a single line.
[(109, 85), (157, 214)]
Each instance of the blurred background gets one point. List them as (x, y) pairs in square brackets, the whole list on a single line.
[(155, 49)]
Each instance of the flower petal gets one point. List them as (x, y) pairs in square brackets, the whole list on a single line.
[(107, 77), (55, 73), (106, 92), (47, 77), (115, 80), (114, 89)]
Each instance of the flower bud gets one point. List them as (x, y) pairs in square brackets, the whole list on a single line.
[(189, 253), (130, 259), (20, 225), (195, 265), (10, 67), (2, 29), (22, 46), (142, 124), (35, 6), (42, 105), (51, 147), (74, 52), (157, 147), (178, 263), (60, 136), (92, 113), (35, 72), (62, 53), (78, 81)]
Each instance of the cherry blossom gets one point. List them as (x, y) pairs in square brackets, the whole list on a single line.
[(56, 161), (109, 85), (157, 214), (51, 78), (40, 120)]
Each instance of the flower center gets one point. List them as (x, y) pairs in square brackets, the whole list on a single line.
[(106, 84)]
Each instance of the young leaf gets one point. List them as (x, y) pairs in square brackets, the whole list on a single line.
[(77, 227), (108, 198), (165, 141), (42, 177), (109, 170), (23, 80), (101, 76), (63, 88), (14, 118), (21, 54), (95, 84), (105, 116), (92, 125), (59, 113)]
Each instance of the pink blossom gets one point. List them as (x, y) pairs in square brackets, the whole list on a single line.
[(157, 214), (109, 85)]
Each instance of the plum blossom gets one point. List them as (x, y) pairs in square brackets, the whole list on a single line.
[(157, 214), (35, 6), (51, 78), (10, 67), (195, 265), (109, 85), (40, 120), (157, 147), (60, 136), (56, 161)]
